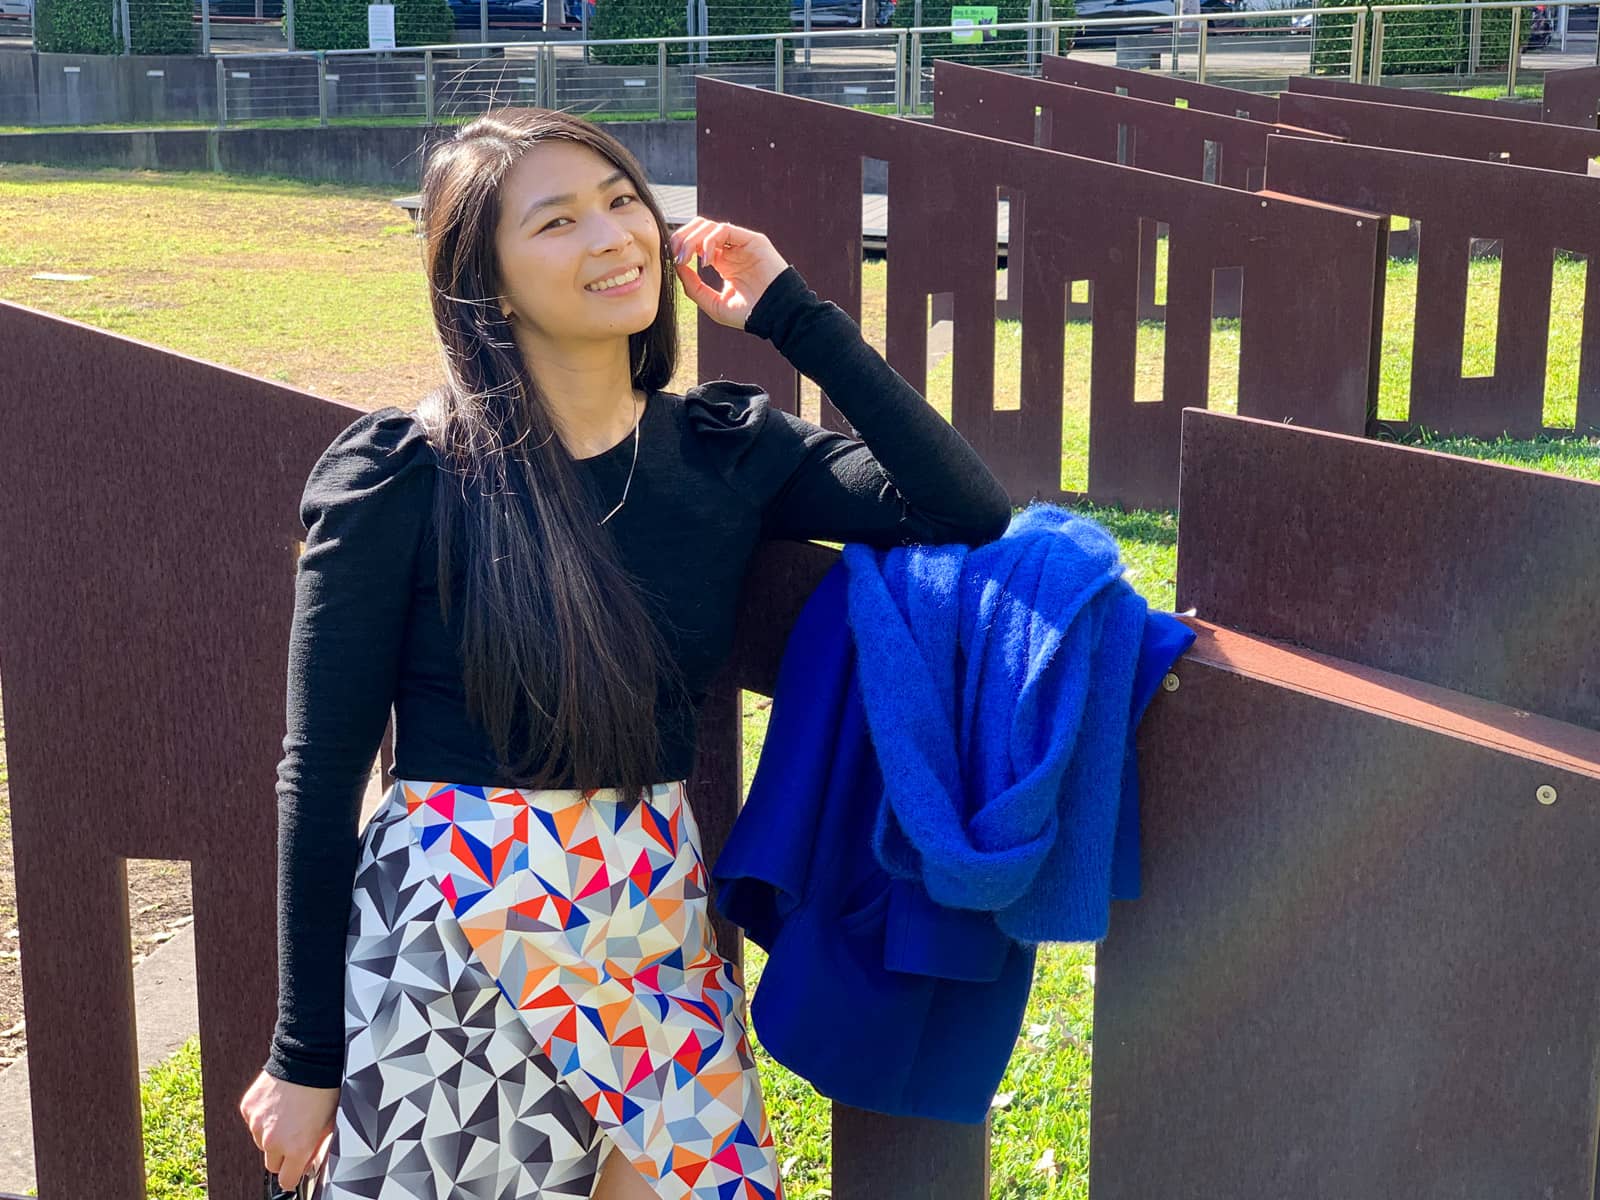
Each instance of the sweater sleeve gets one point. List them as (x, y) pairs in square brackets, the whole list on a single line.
[(907, 476), (365, 506)]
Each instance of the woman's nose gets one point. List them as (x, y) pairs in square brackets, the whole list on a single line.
[(611, 232)]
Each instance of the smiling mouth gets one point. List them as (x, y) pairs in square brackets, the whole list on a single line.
[(616, 281)]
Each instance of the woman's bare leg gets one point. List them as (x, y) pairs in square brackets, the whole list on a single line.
[(620, 1180)]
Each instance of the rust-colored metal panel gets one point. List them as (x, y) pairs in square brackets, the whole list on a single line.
[(143, 625), (781, 578), (1327, 85), (148, 535), (716, 788), (1096, 124), (1532, 213), (1164, 89), (1431, 131), (1365, 958), (1572, 97), (1183, 142), (1470, 575), (875, 1156), (775, 162), (777, 585)]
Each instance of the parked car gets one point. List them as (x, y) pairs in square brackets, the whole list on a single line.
[(512, 13), (16, 8), (271, 10), (1104, 10), (838, 14)]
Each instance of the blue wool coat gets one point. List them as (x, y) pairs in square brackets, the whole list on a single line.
[(998, 691)]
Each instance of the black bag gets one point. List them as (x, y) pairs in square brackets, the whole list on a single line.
[(275, 1192)]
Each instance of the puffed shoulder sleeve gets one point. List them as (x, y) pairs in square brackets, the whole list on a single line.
[(760, 450), (382, 452), (365, 506), (907, 475), (728, 415), (815, 483)]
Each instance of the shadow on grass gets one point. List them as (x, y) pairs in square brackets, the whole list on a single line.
[(1576, 457), (1156, 527)]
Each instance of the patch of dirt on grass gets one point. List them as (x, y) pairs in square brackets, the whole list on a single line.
[(158, 906)]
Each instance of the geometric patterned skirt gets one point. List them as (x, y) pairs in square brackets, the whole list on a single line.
[(530, 986)]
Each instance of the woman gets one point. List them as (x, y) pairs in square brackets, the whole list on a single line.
[(538, 570)]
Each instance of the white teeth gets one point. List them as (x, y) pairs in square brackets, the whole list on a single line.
[(627, 276)]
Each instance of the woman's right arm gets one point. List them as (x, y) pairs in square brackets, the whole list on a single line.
[(365, 505)]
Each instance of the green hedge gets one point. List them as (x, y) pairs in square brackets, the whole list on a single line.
[(342, 24), (1006, 49), (667, 18), (1429, 41), (163, 27), (168, 26), (637, 19), (74, 27), (748, 16)]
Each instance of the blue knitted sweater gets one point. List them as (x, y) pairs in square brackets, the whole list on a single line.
[(996, 690), (997, 684)]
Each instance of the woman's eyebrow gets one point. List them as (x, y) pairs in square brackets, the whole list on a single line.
[(567, 197)]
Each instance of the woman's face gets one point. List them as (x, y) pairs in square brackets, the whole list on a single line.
[(569, 221)]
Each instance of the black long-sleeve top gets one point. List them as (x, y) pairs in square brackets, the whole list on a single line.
[(718, 470)]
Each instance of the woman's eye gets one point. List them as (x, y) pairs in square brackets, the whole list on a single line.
[(625, 196)]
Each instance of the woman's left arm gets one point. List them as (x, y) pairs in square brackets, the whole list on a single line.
[(908, 476)]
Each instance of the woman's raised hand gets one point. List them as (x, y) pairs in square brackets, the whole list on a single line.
[(743, 258)]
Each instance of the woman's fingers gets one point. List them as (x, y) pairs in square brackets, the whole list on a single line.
[(682, 240), (290, 1171), (693, 286), (716, 240), (713, 240), (709, 239), (291, 1125), (744, 258), (709, 300)]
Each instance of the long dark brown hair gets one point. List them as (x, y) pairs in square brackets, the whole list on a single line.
[(552, 625)]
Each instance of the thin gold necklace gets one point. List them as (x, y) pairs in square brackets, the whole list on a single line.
[(637, 421)]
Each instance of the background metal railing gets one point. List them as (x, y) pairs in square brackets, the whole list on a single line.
[(887, 70), (1504, 47), (1500, 47)]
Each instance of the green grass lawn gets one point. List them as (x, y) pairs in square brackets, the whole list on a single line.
[(1566, 327), (319, 286), (1525, 91)]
